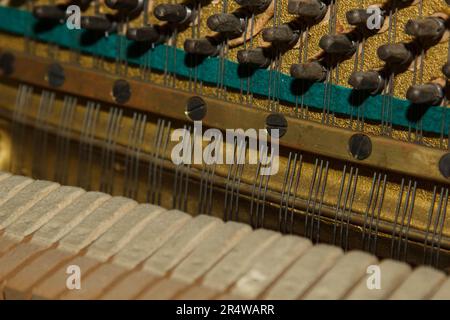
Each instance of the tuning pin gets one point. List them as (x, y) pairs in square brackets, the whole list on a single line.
[(395, 53), (448, 2), (430, 94), (257, 57), (279, 34), (426, 29), (338, 44), (201, 46), (123, 4), (226, 23), (148, 33), (446, 69), (307, 9), (311, 71), (96, 23), (49, 12), (174, 13), (254, 4), (369, 80)]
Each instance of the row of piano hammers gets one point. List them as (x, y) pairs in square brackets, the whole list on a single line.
[(126, 250)]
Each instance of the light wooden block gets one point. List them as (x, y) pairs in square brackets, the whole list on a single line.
[(42, 212), (211, 250), (422, 283), (337, 282), (239, 259), (151, 238), (305, 272), (69, 217), (55, 284), (392, 274), (116, 237), (163, 290), (96, 223), (24, 200), (270, 265), (181, 244), (130, 286)]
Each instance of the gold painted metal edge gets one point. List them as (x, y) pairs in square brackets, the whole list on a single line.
[(387, 154)]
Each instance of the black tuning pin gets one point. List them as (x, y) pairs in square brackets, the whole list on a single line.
[(49, 12), (311, 71), (430, 94), (446, 70), (147, 34), (395, 54), (338, 44), (307, 9), (257, 57), (96, 23), (226, 23), (174, 13), (202, 46), (426, 29), (370, 81), (254, 5), (127, 5), (280, 34)]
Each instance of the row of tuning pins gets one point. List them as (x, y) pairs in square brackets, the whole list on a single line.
[(425, 31), (106, 23)]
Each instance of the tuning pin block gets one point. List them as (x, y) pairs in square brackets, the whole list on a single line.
[(311, 71), (430, 94), (97, 23), (254, 5), (173, 13), (203, 47), (313, 10), (257, 57), (395, 54), (147, 34), (426, 29), (226, 23), (338, 44), (370, 81), (49, 12)]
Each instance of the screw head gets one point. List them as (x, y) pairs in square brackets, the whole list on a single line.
[(360, 146), (121, 91), (444, 165), (55, 75), (7, 63), (195, 108), (276, 121)]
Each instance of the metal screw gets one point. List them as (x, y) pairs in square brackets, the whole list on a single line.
[(195, 108), (276, 121), (360, 146), (121, 91), (7, 63), (444, 165), (55, 75)]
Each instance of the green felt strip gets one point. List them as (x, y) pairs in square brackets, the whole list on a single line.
[(162, 57)]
